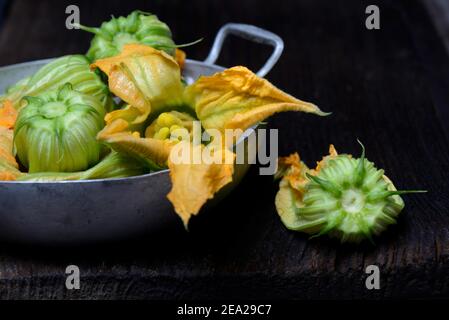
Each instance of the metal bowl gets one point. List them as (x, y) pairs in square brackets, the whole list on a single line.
[(81, 212)]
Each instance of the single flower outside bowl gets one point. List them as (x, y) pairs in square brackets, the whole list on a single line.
[(91, 211)]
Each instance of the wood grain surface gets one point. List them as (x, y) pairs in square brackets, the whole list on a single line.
[(387, 87)]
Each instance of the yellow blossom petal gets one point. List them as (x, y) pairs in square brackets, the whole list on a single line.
[(332, 154), (294, 171), (195, 183), (8, 114), (145, 78), (237, 99), (9, 169), (153, 152)]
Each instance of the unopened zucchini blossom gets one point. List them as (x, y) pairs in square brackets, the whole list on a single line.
[(56, 131), (73, 69), (346, 198), (137, 27)]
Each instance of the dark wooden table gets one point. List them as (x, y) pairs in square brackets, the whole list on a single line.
[(387, 87)]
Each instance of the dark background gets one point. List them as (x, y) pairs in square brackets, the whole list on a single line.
[(387, 87)]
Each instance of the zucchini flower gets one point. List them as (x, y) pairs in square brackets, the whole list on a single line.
[(137, 27), (72, 69), (235, 98), (346, 198), (56, 131)]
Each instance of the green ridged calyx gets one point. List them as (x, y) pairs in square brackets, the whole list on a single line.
[(74, 69), (346, 198), (56, 131), (137, 27)]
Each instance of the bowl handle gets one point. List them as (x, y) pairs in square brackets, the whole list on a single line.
[(251, 33)]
